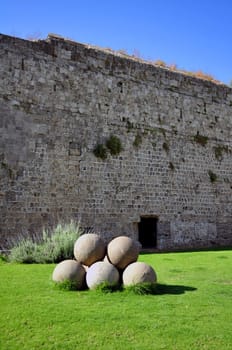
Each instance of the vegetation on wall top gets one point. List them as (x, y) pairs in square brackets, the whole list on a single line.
[(136, 56), (160, 63)]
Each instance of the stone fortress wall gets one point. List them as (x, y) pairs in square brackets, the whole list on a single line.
[(60, 99)]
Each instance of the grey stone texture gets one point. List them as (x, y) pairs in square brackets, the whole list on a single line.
[(89, 248), (138, 272), (122, 251), (60, 99), (102, 272), (70, 270)]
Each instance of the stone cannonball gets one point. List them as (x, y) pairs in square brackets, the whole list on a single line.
[(122, 251), (89, 248), (70, 270), (106, 259), (101, 272), (138, 272)]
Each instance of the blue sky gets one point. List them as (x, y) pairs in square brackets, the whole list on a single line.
[(194, 34)]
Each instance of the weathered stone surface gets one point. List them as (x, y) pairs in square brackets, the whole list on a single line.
[(70, 270), (59, 100), (138, 272), (89, 248), (122, 251), (85, 267), (106, 259), (101, 272)]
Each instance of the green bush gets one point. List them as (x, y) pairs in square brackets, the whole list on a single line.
[(52, 248), (24, 251), (113, 144), (3, 258)]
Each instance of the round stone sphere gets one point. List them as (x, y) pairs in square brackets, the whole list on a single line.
[(89, 248), (106, 259), (70, 270), (85, 267), (122, 251), (101, 272), (138, 272)]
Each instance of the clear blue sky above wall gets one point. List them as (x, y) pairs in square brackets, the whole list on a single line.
[(194, 34)]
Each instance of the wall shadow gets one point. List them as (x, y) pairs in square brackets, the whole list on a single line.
[(147, 251)]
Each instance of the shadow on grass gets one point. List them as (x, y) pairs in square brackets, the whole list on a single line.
[(139, 288), (157, 289), (172, 289)]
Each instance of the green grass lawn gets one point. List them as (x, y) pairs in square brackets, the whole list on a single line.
[(191, 310)]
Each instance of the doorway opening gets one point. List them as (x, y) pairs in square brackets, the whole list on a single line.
[(148, 232)]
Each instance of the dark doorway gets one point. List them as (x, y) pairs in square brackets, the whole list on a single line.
[(148, 232)]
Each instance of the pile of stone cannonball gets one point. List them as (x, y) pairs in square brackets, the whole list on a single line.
[(97, 263)]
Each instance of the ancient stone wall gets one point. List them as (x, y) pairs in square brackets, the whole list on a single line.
[(59, 100)]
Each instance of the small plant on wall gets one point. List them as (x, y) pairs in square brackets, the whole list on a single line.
[(166, 146), (9, 170), (201, 139), (100, 151), (171, 166), (219, 150), (212, 176), (137, 141), (114, 145)]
